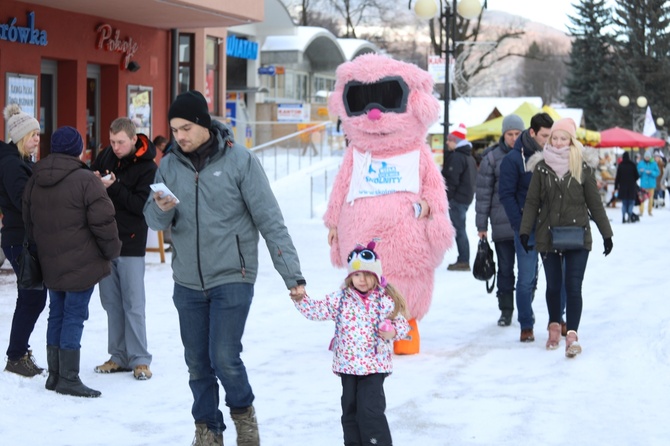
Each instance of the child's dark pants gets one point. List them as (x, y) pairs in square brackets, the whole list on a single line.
[(363, 407)]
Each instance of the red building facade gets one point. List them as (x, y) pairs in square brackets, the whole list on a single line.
[(69, 66)]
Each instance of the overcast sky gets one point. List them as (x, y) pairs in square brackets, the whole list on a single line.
[(549, 12)]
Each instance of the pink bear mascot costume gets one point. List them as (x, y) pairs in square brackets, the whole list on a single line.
[(386, 107)]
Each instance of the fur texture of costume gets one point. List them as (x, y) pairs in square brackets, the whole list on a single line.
[(386, 107)]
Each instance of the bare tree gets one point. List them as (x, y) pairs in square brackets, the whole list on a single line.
[(348, 14), (394, 29), (301, 10), (395, 39), (304, 12), (474, 50), (322, 20), (354, 13)]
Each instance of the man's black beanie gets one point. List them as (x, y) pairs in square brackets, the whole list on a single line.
[(192, 106)]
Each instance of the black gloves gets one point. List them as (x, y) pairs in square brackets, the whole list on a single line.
[(524, 242), (608, 245)]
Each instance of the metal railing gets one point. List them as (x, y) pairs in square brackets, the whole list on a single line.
[(300, 150), (320, 186), (287, 154)]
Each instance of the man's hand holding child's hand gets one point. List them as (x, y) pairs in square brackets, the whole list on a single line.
[(297, 293)]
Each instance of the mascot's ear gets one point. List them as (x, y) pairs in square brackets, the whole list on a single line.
[(372, 245)]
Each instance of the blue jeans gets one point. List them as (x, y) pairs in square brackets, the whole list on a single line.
[(526, 281), (627, 208), (211, 323), (67, 312), (575, 265), (457, 213), (505, 252), (29, 306)]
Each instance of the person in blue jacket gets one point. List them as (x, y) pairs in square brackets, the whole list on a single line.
[(512, 189), (648, 170)]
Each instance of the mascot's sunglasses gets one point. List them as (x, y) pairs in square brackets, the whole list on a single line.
[(388, 95)]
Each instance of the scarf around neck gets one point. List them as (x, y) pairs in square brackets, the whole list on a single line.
[(557, 159), (528, 144)]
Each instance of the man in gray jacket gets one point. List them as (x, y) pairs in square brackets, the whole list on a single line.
[(222, 201), (487, 206)]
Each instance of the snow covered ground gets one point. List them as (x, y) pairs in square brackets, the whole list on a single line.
[(473, 383)]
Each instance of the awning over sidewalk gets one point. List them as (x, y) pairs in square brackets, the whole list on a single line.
[(618, 137), (493, 127)]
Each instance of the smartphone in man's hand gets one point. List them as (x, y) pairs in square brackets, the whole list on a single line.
[(161, 187)]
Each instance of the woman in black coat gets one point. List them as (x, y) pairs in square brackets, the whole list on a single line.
[(15, 170), (625, 186)]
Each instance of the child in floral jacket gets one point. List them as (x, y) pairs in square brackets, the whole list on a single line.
[(368, 315)]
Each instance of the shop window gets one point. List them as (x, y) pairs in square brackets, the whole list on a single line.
[(186, 48), (275, 85), (302, 87), (289, 85), (280, 86), (236, 73), (322, 87), (296, 86), (213, 70)]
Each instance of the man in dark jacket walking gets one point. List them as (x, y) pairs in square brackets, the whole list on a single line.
[(221, 205), (487, 206), (127, 169), (514, 182), (69, 215), (460, 174), (625, 186)]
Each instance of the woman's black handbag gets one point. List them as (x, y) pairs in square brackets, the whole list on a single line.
[(564, 238), (30, 271), (484, 267)]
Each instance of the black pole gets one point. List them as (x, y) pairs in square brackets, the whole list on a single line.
[(448, 14)]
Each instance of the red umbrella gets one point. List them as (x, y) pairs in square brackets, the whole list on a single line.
[(618, 137)]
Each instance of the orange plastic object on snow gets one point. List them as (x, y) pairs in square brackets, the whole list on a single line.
[(410, 345)]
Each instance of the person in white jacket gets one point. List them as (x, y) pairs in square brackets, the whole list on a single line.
[(368, 315)]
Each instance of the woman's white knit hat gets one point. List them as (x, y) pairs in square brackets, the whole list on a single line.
[(19, 124)]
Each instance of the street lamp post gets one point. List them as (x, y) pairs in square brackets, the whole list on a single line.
[(428, 9), (638, 114)]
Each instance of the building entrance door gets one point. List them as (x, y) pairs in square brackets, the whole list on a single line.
[(47, 113), (93, 143)]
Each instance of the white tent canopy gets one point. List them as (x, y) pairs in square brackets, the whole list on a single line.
[(474, 111)]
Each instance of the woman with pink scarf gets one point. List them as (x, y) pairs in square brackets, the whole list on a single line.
[(563, 192)]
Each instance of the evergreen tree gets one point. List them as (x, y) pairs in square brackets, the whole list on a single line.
[(643, 47), (591, 78)]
